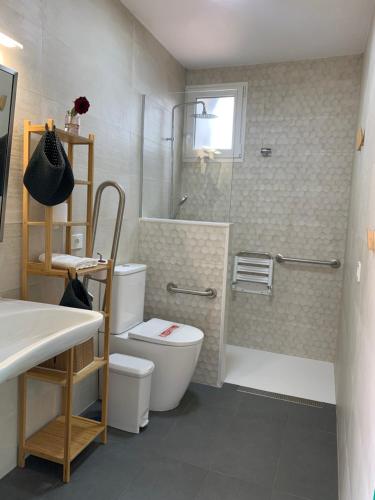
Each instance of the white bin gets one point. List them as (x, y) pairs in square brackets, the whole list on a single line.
[(129, 392)]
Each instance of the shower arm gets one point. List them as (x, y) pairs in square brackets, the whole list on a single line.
[(189, 103)]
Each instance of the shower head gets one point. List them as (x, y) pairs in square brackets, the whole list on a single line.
[(204, 113)]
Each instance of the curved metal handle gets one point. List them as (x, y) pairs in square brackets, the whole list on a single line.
[(119, 216), (335, 263), (210, 293)]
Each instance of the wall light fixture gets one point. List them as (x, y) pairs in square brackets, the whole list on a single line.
[(9, 42)]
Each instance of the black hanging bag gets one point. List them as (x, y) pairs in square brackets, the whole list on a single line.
[(76, 295), (49, 176)]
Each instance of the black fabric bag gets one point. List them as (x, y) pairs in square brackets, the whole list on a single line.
[(49, 176), (76, 295)]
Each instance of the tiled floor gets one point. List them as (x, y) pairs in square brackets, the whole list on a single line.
[(219, 444)]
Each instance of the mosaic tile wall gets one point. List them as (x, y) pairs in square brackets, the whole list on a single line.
[(209, 189), (192, 255), (296, 202)]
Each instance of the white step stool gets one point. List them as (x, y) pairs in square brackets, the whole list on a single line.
[(129, 392)]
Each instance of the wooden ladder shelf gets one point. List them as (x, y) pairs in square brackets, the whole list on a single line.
[(62, 439)]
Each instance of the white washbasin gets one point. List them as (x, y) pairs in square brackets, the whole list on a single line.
[(31, 333)]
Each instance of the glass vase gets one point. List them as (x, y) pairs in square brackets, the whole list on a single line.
[(72, 123)]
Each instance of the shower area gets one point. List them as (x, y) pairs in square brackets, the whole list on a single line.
[(250, 167)]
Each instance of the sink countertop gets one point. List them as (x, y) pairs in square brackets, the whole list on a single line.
[(32, 332)]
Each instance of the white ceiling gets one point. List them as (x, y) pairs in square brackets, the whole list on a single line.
[(206, 33)]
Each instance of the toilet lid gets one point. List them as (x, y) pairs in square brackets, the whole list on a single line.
[(159, 331)]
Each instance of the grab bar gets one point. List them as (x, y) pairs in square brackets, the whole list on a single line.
[(210, 293), (335, 263), (119, 215), (118, 224)]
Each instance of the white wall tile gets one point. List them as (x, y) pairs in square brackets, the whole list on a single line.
[(355, 373), (92, 48)]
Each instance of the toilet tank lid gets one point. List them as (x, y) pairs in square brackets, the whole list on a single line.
[(131, 268), (130, 365), (159, 331)]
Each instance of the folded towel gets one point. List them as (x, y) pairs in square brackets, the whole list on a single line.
[(65, 261)]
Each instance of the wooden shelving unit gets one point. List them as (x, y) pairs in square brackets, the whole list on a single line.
[(62, 439)]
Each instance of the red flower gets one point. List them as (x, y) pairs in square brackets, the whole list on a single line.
[(81, 106)]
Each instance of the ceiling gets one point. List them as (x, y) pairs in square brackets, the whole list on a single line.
[(208, 33)]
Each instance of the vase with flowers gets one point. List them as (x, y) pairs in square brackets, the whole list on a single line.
[(73, 116)]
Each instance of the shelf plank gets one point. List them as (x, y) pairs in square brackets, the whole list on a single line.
[(59, 377), (48, 442), (64, 136), (47, 375), (81, 182), (38, 268), (67, 224), (89, 369)]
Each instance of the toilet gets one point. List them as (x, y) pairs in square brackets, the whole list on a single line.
[(173, 347)]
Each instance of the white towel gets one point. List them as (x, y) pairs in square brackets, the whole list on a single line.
[(65, 261)]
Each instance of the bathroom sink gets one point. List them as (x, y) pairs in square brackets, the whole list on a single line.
[(31, 333)]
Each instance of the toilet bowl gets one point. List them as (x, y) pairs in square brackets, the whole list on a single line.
[(174, 348), (174, 355)]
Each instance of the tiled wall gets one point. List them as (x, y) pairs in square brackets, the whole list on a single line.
[(355, 368), (191, 255), (209, 187), (93, 48), (295, 202)]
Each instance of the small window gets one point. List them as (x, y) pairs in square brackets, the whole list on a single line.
[(216, 122)]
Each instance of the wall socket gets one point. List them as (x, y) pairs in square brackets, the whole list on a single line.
[(358, 272), (77, 241)]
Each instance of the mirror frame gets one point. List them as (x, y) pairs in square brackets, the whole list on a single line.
[(9, 147)]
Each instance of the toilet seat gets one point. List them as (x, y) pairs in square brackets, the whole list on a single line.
[(167, 333)]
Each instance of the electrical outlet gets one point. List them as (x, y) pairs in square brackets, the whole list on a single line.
[(358, 271), (77, 241)]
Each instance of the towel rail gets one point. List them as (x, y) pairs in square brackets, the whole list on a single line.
[(210, 293), (334, 263)]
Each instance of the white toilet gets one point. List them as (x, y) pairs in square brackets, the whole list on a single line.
[(173, 347)]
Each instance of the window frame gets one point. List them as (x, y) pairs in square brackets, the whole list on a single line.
[(238, 90)]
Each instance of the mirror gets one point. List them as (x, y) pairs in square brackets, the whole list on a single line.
[(8, 85)]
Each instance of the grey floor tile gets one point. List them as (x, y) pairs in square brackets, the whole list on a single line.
[(308, 465), (150, 439), (22, 484), (220, 487), (323, 419), (218, 444), (226, 399), (263, 408), (105, 474), (249, 449), (285, 496), (165, 479), (193, 437)]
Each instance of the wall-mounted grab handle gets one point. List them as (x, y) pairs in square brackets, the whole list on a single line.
[(210, 293), (335, 263)]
